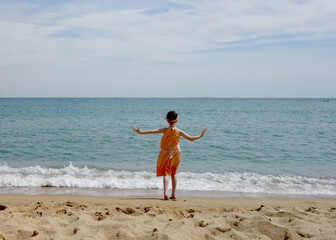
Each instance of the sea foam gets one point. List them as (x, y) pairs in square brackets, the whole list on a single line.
[(76, 177)]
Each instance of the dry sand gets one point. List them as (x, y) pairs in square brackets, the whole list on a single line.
[(88, 217)]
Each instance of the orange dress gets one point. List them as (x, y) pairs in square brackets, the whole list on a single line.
[(170, 154)]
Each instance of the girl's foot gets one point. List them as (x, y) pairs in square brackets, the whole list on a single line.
[(165, 197), (173, 198)]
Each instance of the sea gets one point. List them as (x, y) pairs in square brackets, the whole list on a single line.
[(253, 147)]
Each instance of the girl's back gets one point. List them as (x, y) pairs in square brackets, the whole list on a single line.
[(170, 139)]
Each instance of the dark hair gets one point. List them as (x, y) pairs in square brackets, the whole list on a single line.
[(171, 116)]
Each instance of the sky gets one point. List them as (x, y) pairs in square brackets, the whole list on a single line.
[(161, 48)]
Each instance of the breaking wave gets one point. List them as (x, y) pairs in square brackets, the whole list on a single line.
[(76, 177)]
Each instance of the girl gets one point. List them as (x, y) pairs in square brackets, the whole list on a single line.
[(170, 154)]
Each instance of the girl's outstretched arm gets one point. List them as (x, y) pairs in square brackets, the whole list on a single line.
[(186, 136), (137, 130)]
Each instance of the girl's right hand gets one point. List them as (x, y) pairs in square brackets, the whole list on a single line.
[(136, 130)]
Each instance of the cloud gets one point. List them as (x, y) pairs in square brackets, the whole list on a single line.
[(161, 31), (235, 42)]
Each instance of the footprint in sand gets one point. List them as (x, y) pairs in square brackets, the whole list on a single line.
[(129, 211), (100, 216), (147, 209), (258, 209), (74, 205), (61, 211), (39, 214), (35, 233), (305, 235), (75, 230), (223, 230), (311, 209)]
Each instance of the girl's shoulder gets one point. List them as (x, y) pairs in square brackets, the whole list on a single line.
[(179, 131), (163, 130), (176, 129)]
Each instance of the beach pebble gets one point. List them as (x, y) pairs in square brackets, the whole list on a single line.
[(202, 224)]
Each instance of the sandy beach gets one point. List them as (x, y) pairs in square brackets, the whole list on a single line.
[(89, 217)]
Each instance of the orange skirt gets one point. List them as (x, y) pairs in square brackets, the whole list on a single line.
[(168, 162)]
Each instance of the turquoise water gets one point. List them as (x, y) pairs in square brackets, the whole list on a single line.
[(282, 146)]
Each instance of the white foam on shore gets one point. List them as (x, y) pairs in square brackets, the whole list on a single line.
[(75, 177)]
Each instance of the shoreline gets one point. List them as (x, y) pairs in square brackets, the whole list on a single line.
[(109, 192), (148, 217)]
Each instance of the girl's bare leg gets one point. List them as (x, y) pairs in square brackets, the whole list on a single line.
[(174, 184), (165, 186)]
